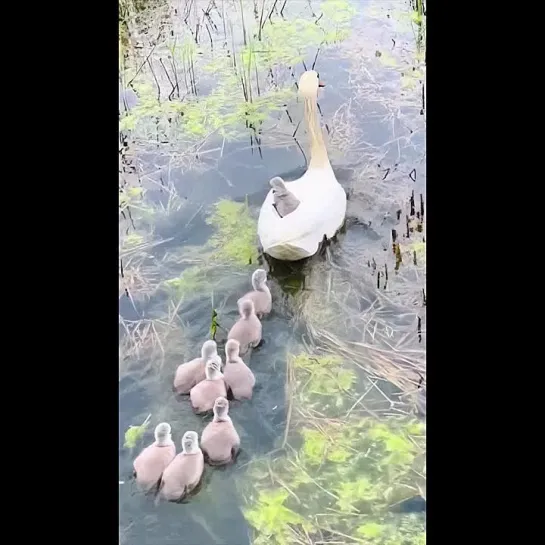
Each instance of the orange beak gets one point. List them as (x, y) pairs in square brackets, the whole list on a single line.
[(321, 83)]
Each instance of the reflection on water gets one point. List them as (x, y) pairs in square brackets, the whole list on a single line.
[(349, 299)]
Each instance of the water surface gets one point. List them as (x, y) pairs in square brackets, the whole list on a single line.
[(377, 148)]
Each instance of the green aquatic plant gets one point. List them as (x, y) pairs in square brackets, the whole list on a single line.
[(410, 64), (338, 14), (192, 280), (409, 530), (287, 41), (273, 518), (150, 109), (242, 94), (223, 110), (233, 243), (419, 249), (235, 239), (214, 324), (322, 380), (135, 433), (405, 530), (387, 59), (314, 446), (410, 78), (341, 476), (398, 450), (370, 530), (131, 196), (132, 239), (354, 492)]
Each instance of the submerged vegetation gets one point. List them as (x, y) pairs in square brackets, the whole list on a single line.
[(232, 244), (246, 84), (339, 473), (235, 237)]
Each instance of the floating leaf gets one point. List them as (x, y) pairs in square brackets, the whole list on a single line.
[(135, 433)]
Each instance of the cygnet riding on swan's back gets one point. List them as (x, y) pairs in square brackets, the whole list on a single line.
[(322, 201), (285, 201)]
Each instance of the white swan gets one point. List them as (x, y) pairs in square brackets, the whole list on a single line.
[(322, 207)]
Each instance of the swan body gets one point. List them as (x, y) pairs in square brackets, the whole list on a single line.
[(321, 207)]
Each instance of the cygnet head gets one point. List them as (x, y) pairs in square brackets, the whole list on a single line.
[(190, 442), (259, 278), (246, 308), (209, 349), (213, 367), (278, 186), (232, 349), (163, 433), (221, 408), (309, 83)]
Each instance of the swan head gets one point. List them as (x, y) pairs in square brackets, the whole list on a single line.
[(213, 368), (278, 186), (246, 308), (190, 442), (309, 82), (221, 408), (209, 349), (259, 278), (162, 433), (232, 349)]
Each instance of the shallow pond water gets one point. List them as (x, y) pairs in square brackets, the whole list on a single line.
[(360, 298)]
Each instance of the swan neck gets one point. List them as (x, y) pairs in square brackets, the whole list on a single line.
[(318, 151)]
